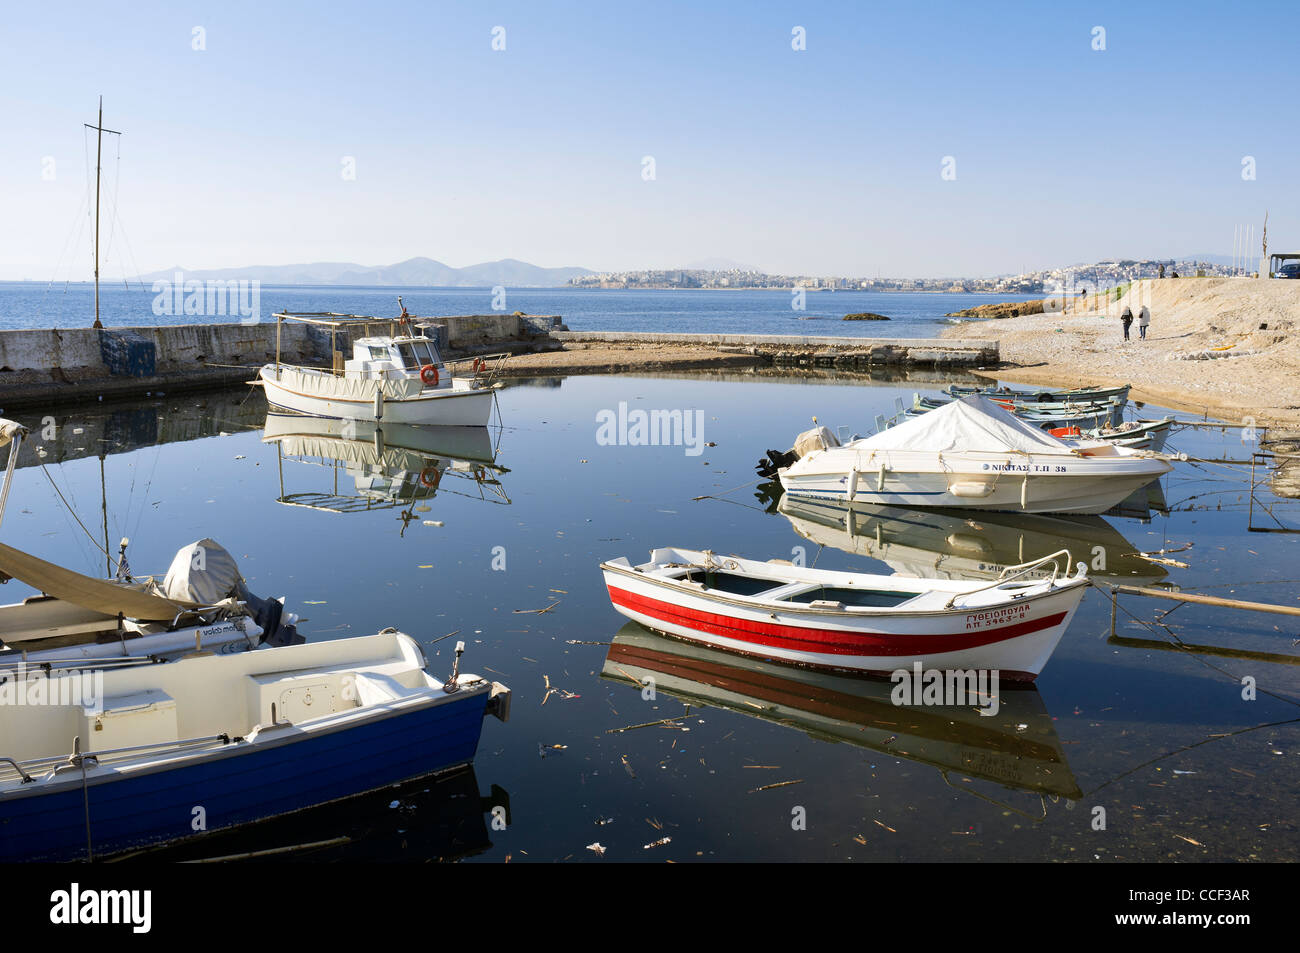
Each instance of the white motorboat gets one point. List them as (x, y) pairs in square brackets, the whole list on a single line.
[(111, 761), (970, 453), (395, 375), (852, 621)]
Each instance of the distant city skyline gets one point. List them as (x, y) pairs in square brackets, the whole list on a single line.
[(908, 143)]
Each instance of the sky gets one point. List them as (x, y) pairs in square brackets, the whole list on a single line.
[(903, 140)]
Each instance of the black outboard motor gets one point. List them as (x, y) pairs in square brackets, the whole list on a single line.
[(775, 460)]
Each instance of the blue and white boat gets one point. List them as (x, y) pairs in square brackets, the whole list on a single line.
[(95, 763)]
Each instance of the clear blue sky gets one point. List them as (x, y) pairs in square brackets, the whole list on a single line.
[(822, 161)]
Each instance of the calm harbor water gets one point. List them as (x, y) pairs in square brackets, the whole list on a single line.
[(1160, 740), (35, 305)]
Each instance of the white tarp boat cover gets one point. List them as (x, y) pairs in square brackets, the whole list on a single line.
[(329, 386), (972, 423), (203, 573), (819, 438)]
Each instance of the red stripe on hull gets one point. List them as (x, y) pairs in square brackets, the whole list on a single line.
[(825, 641)]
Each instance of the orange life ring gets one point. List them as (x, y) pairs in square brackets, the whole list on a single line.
[(429, 375), (430, 482)]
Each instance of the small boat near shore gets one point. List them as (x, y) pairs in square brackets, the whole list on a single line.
[(970, 453), (118, 760), (1134, 434), (395, 375), (1021, 396), (855, 622), (1047, 416)]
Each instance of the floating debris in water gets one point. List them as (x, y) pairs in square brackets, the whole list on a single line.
[(778, 784), (596, 849), (433, 523), (658, 843)]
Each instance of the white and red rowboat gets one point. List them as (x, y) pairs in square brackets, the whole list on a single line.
[(846, 621)]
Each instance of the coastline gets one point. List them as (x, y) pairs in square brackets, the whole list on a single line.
[(1222, 347)]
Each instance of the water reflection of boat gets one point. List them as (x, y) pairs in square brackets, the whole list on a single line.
[(1016, 747), (943, 544), (442, 818), (1142, 504), (390, 465)]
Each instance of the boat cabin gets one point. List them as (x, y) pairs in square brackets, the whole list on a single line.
[(387, 357)]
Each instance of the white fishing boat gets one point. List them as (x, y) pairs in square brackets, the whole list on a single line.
[(112, 761), (970, 453), (852, 621), (395, 375)]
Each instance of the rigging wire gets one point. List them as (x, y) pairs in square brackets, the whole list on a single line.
[(89, 534)]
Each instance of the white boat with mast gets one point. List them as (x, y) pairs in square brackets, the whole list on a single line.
[(76, 620), (395, 375)]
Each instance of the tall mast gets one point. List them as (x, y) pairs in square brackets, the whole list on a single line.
[(99, 150)]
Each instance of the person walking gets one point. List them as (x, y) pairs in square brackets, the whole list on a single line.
[(1144, 318), (1126, 319)]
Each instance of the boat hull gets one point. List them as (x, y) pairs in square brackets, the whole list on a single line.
[(1027, 484), (446, 407), (241, 784), (1015, 639)]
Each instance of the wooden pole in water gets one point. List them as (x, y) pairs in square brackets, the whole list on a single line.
[(1206, 600)]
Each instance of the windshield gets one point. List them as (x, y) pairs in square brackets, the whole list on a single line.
[(416, 354)]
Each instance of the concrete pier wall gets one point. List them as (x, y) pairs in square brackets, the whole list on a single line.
[(39, 367)]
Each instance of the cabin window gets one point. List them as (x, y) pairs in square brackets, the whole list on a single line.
[(379, 353), (415, 354)]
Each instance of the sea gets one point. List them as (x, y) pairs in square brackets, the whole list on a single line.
[(911, 314)]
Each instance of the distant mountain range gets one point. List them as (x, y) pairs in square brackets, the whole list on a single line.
[(415, 272)]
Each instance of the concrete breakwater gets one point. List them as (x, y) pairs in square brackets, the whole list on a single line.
[(790, 350), (42, 367)]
